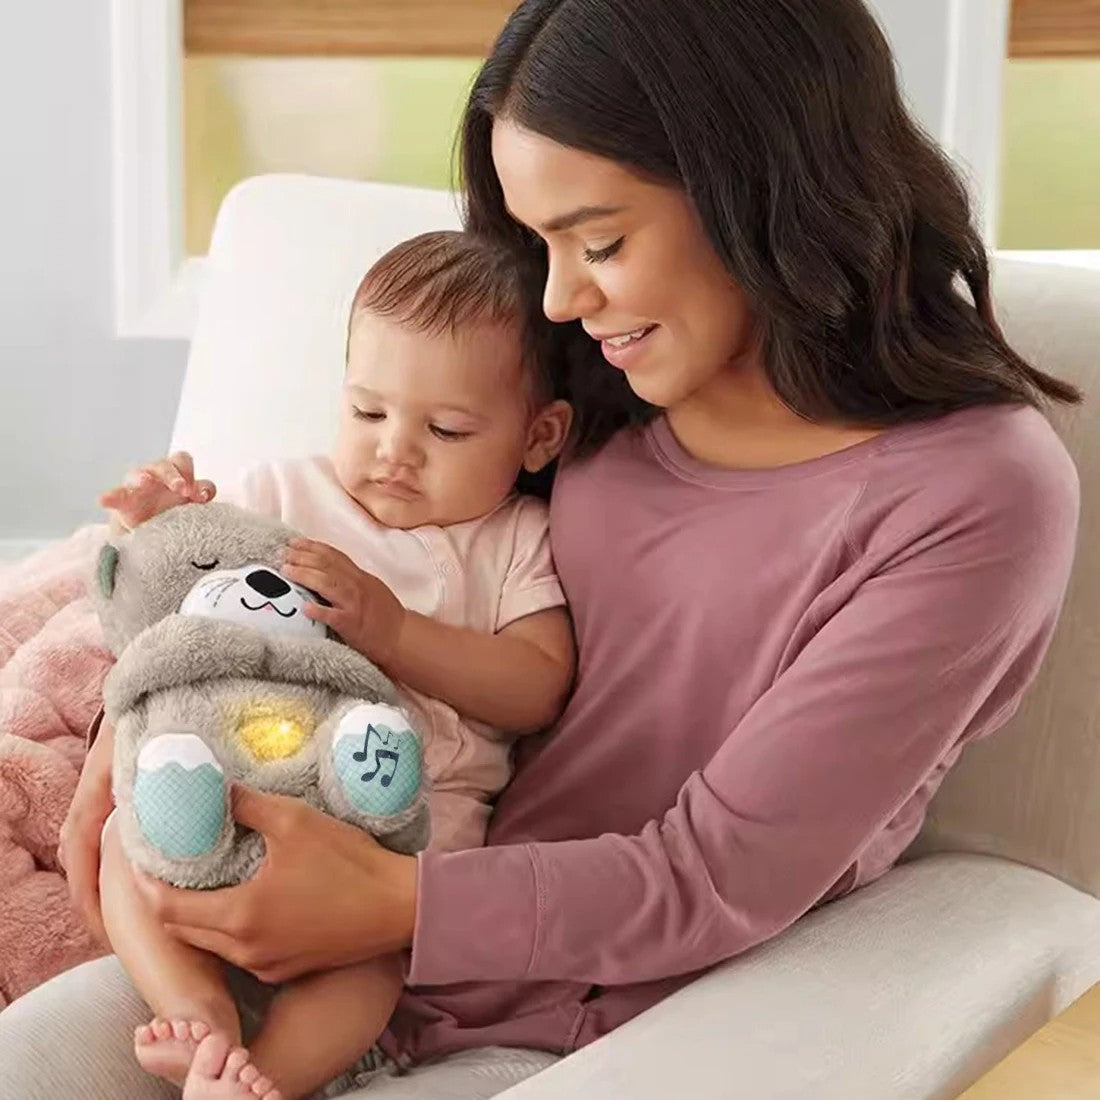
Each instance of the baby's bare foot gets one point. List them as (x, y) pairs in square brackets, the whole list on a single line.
[(165, 1047), (219, 1072)]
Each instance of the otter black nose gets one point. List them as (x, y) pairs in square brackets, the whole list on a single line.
[(267, 584)]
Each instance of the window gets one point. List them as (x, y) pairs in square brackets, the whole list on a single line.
[(363, 89), (1050, 152)]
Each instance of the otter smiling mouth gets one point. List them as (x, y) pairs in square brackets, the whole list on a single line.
[(267, 603)]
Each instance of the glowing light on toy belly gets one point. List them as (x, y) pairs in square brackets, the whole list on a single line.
[(270, 733)]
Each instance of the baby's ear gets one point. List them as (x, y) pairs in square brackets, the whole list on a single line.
[(105, 570), (546, 436)]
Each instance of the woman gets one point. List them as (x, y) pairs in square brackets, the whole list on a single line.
[(814, 533)]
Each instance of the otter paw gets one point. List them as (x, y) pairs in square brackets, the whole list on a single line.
[(376, 760), (180, 798)]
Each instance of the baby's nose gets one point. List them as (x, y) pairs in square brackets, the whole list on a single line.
[(268, 584)]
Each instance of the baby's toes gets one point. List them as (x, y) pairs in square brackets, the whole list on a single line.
[(199, 1031), (143, 1035), (248, 1074), (210, 1058), (181, 1029), (162, 1029), (237, 1060)]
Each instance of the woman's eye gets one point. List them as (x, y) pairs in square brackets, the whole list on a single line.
[(205, 565), (448, 435), (366, 414), (598, 255)]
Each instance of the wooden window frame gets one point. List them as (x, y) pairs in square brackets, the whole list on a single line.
[(1038, 28), (1054, 28), (375, 28)]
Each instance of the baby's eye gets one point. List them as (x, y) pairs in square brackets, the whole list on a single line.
[(206, 565), (367, 414), (448, 435)]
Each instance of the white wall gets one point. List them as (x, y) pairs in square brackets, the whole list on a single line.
[(77, 406), (951, 57)]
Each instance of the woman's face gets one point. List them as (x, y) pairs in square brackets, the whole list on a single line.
[(631, 261)]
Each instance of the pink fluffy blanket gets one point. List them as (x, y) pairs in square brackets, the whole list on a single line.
[(52, 663)]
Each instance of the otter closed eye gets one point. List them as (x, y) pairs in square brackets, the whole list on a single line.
[(206, 564)]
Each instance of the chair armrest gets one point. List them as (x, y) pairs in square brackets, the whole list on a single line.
[(912, 987)]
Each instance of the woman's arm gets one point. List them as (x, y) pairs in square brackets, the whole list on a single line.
[(935, 648), (78, 848)]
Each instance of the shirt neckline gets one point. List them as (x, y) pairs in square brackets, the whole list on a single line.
[(671, 454)]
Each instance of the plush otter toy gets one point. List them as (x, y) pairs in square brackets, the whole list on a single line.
[(221, 678)]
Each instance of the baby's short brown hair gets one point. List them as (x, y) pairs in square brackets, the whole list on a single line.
[(439, 281)]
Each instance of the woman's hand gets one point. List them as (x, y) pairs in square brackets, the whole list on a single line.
[(147, 491), (326, 895), (78, 850), (364, 612)]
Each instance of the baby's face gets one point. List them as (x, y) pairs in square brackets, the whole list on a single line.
[(433, 427)]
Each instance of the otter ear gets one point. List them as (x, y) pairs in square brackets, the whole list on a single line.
[(105, 573)]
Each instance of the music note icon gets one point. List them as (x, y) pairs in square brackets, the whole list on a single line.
[(379, 755)]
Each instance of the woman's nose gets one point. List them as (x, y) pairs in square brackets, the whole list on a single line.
[(570, 294)]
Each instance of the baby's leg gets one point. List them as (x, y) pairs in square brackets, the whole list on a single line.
[(319, 1026), (185, 987)]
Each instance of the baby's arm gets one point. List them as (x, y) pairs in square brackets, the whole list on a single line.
[(516, 680)]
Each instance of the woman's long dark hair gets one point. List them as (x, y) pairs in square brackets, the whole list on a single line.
[(845, 225)]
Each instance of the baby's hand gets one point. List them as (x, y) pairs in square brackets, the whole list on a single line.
[(147, 491), (363, 611)]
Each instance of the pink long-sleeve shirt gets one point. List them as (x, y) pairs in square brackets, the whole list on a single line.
[(776, 669)]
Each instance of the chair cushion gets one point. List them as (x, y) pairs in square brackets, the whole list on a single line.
[(267, 359), (1031, 792)]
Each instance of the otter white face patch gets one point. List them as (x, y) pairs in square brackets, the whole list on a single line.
[(256, 596)]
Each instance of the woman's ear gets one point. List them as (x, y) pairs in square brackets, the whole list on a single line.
[(547, 435)]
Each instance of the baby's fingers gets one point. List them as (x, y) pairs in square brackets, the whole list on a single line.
[(192, 489), (205, 490), (114, 498), (176, 471)]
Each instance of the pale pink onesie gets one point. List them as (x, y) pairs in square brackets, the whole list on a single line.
[(483, 574)]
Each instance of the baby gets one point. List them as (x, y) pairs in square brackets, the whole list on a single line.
[(443, 578)]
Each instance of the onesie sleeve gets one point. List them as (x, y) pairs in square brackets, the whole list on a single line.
[(531, 583)]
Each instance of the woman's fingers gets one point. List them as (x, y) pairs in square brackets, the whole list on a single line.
[(272, 815), (207, 910), (209, 939), (79, 856), (79, 848)]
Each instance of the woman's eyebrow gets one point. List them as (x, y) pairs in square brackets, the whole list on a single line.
[(579, 216)]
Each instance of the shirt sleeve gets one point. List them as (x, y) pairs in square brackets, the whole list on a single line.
[(531, 583), (935, 647)]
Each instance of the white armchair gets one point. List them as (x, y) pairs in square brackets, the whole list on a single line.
[(911, 988)]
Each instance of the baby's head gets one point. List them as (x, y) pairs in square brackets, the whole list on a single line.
[(447, 394)]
